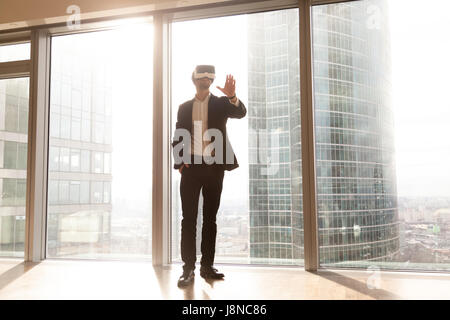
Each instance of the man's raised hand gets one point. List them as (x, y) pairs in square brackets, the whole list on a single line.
[(230, 87)]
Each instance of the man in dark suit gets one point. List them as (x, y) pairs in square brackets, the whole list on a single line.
[(202, 165)]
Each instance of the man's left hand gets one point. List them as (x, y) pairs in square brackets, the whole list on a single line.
[(230, 87)]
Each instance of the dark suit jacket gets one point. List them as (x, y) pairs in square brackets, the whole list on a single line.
[(219, 110)]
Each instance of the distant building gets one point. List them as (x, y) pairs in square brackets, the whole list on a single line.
[(13, 164), (275, 204), (79, 183), (442, 216)]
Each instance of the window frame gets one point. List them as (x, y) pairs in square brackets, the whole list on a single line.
[(20, 69)]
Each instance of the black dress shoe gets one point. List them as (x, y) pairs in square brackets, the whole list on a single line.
[(211, 273), (186, 278)]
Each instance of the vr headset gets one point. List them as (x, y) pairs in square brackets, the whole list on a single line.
[(204, 71)]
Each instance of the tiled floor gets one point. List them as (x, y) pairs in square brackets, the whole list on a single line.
[(130, 280)]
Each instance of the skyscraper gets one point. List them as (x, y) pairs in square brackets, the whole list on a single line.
[(356, 186), (80, 148), (276, 224), (13, 164)]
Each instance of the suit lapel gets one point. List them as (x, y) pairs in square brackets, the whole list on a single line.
[(211, 114), (189, 108)]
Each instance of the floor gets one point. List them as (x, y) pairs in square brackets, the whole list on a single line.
[(63, 279)]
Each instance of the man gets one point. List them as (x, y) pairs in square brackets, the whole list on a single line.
[(202, 165)]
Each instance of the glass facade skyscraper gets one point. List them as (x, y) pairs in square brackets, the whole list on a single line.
[(356, 181), (275, 204), (14, 105), (13, 164)]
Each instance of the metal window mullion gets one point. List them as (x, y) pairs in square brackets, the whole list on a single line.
[(323, 2), (161, 145), (15, 69), (311, 249), (35, 232), (14, 37), (167, 155), (231, 8)]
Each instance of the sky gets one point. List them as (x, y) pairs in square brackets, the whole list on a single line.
[(132, 114), (420, 77)]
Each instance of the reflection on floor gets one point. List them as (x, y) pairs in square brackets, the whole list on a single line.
[(62, 279)]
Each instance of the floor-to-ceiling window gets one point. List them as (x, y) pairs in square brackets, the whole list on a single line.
[(100, 144), (14, 105), (260, 219), (381, 117), (381, 123)]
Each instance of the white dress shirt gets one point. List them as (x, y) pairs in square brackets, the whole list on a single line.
[(200, 124)]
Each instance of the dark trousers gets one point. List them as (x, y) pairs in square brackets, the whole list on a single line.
[(209, 179)]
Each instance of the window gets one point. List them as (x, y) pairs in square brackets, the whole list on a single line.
[(257, 224), (13, 158), (86, 161), (14, 52), (382, 151), (101, 113), (15, 155), (16, 105)]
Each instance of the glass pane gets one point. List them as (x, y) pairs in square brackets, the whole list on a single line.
[(260, 219), (14, 52), (13, 164), (382, 148), (100, 156)]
